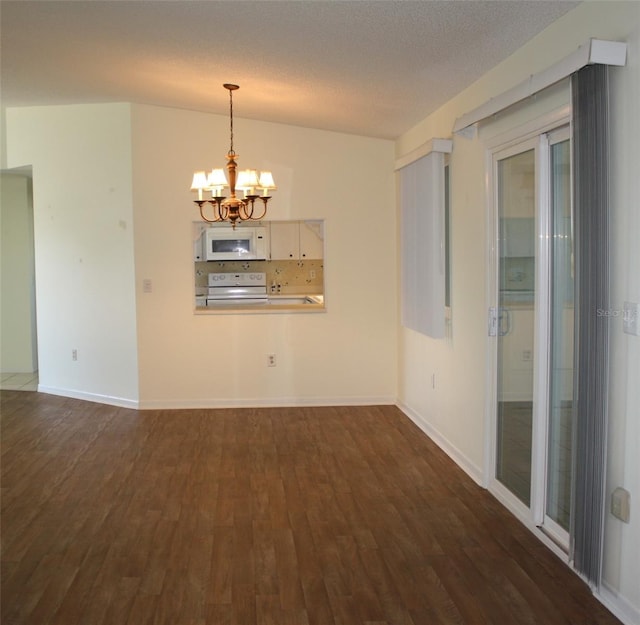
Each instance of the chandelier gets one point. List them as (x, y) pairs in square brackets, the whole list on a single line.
[(232, 208)]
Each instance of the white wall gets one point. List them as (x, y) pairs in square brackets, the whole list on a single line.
[(18, 348), (622, 540), (454, 411), (81, 158), (344, 355), (113, 207)]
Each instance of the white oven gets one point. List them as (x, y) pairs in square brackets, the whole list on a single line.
[(237, 288), (243, 243)]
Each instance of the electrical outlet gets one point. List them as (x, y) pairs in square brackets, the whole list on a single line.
[(312, 274), (147, 285), (621, 504), (271, 360), (526, 355), (74, 354)]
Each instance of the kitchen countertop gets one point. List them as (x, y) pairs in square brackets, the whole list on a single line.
[(276, 303)]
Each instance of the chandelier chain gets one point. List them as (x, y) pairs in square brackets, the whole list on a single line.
[(231, 119)]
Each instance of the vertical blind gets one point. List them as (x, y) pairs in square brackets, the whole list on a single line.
[(589, 88), (422, 244)]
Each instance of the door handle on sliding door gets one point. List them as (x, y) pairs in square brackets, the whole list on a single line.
[(499, 321), (504, 321)]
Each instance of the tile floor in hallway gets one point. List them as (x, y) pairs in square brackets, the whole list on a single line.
[(19, 381)]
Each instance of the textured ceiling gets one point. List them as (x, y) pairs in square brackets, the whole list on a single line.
[(372, 68)]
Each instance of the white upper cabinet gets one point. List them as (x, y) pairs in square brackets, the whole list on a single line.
[(297, 240), (285, 240), (311, 239)]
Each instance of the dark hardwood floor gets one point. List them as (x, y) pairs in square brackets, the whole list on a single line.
[(278, 516)]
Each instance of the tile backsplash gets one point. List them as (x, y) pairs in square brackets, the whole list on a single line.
[(294, 277)]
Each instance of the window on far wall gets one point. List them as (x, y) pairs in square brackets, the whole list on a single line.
[(424, 244)]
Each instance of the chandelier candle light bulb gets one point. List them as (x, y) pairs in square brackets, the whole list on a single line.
[(216, 181), (232, 209), (199, 183), (266, 182), (247, 181)]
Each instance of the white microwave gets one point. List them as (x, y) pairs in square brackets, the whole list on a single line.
[(243, 243)]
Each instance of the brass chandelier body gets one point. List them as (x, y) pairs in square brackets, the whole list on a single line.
[(232, 208)]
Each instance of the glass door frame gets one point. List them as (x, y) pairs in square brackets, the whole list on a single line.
[(534, 135), (557, 533)]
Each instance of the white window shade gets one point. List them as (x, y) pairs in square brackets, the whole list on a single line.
[(422, 197)]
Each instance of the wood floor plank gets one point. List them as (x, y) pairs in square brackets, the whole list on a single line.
[(222, 556), (289, 516), (287, 571), (142, 611)]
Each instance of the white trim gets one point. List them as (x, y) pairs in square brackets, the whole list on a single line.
[(491, 364), (557, 533), (544, 123), (465, 463), (434, 145), (255, 402), (542, 334), (514, 505), (593, 51), (544, 329), (110, 400), (619, 606), (470, 132), (265, 402), (504, 497)]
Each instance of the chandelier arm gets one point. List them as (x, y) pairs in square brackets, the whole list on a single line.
[(216, 214), (222, 209), (246, 208), (265, 199)]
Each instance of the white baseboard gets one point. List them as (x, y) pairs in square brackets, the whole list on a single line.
[(121, 402), (617, 605), (470, 468), (264, 402), (256, 402)]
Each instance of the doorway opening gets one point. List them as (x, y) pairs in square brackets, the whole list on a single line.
[(19, 348)]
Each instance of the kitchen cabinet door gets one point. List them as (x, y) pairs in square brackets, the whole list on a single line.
[(285, 240), (311, 239), (198, 242)]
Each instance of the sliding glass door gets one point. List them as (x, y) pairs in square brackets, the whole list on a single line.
[(533, 326), (515, 321)]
